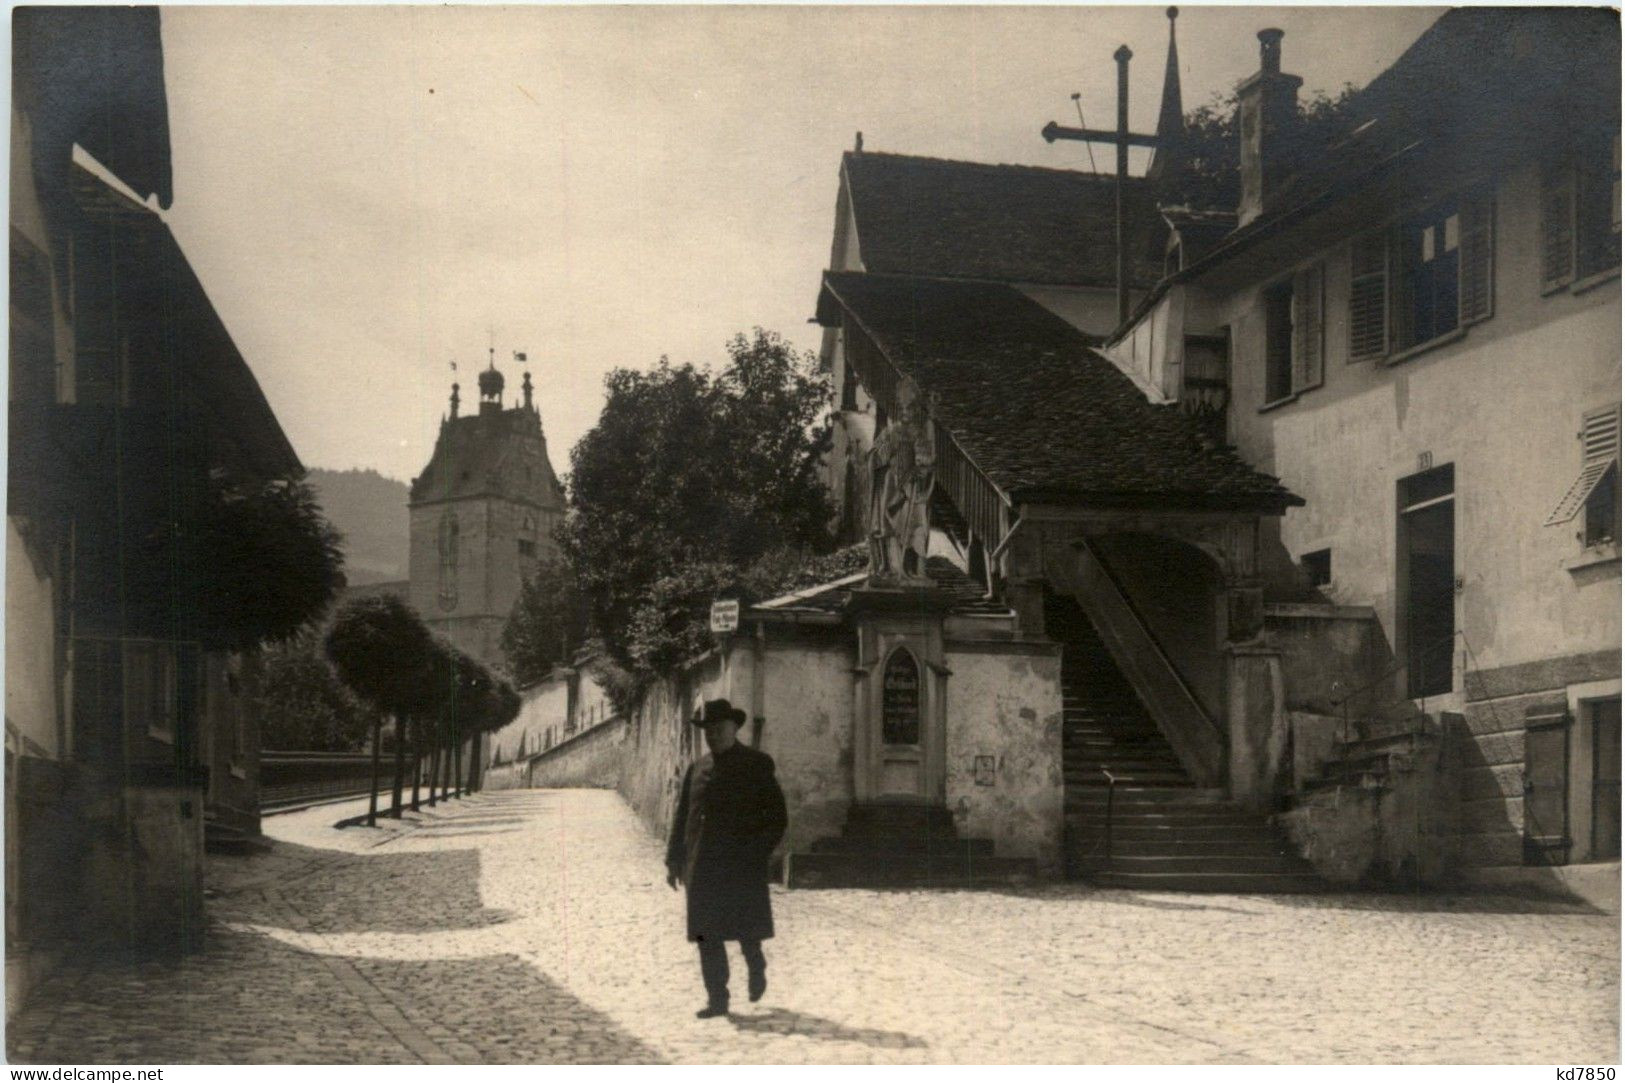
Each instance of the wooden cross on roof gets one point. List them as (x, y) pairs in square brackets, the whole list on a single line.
[(1123, 139)]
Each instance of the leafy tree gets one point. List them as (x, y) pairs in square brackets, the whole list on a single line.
[(1211, 153), (686, 476), (270, 561), (549, 623), (304, 706)]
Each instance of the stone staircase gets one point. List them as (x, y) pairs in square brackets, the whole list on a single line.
[(1377, 750), (901, 845), (1166, 834)]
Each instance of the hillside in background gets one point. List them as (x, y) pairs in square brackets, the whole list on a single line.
[(370, 511)]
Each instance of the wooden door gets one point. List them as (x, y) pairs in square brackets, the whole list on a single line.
[(1605, 795), (1546, 787)]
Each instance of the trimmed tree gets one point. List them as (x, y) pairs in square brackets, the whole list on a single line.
[(383, 651)]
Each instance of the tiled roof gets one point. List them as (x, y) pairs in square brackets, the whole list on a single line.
[(832, 597), (1040, 412), (1007, 223)]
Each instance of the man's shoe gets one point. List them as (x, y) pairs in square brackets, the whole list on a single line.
[(758, 985), (711, 1011)]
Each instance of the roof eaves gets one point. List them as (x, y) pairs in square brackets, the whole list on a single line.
[(1259, 229), (1277, 501)]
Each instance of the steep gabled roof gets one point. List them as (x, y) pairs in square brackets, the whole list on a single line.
[(1007, 223), (1035, 407)]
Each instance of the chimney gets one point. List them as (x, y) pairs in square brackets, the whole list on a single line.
[(1267, 105)]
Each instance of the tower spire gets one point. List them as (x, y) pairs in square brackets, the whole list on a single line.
[(1171, 117)]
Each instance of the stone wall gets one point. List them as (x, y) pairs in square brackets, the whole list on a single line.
[(1003, 738), (1004, 777), (1327, 653), (1400, 831), (1490, 745), (589, 760), (660, 743), (807, 729)]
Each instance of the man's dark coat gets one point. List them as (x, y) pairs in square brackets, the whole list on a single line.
[(729, 817)]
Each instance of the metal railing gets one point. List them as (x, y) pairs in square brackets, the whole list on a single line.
[(1344, 704), (1111, 793)]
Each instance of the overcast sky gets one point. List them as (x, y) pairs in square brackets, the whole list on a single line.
[(369, 194)]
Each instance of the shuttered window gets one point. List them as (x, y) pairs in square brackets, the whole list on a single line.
[(1556, 226), (1441, 273), (1599, 453), (1278, 342), (1368, 297), (1477, 262), (1579, 213), (1308, 328)]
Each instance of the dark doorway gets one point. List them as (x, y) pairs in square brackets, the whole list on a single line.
[(1427, 579), (1605, 779)]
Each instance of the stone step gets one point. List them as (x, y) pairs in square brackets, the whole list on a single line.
[(1133, 740), (1365, 746), (1124, 862), (1083, 782), (1144, 816), (1173, 844), (1187, 834), (1253, 883), (882, 845), (1092, 760), (821, 870), (1135, 796), (221, 838), (899, 819)]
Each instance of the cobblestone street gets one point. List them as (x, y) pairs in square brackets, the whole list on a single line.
[(535, 926)]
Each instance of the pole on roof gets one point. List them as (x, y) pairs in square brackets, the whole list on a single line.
[(1122, 57), (1123, 139)]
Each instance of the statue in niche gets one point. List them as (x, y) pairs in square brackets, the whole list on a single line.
[(902, 471)]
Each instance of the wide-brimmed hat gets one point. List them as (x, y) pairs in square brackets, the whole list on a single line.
[(718, 710)]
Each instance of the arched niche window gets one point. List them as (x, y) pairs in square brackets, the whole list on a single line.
[(900, 699), (448, 544)]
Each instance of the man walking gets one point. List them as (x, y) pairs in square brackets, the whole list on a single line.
[(729, 817)]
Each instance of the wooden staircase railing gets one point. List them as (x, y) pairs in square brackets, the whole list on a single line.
[(1195, 737)]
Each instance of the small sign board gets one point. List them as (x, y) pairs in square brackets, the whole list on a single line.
[(724, 616)]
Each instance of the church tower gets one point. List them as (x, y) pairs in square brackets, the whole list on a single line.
[(482, 517)]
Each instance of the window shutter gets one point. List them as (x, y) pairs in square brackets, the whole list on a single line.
[(1556, 225), (1477, 281), (1308, 328), (1402, 258), (1368, 297), (1599, 447)]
